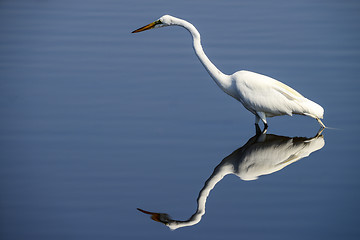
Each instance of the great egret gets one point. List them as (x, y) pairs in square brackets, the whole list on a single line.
[(261, 95), (263, 154)]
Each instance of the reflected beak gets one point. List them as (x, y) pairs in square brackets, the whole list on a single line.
[(147, 27), (154, 216)]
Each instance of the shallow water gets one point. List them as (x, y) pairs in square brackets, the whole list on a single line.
[(97, 122)]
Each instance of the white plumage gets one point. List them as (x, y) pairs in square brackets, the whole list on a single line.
[(261, 95)]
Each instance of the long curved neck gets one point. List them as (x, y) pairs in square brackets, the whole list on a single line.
[(219, 173), (221, 79)]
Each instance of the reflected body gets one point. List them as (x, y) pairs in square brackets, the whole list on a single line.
[(260, 94), (262, 155)]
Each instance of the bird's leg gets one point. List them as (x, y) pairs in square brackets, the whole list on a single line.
[(262, 116)]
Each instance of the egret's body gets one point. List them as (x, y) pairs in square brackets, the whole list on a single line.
[(261, 95)]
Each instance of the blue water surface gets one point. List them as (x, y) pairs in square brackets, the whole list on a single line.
[(97, 122)]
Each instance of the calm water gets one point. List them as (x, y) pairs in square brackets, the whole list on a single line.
[(97, 122)]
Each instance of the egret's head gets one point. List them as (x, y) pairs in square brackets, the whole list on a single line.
[(164, 21)]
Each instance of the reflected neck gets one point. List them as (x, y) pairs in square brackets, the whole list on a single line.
[(219, 173)]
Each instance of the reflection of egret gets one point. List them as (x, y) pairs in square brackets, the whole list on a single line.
[(261, 95), (261, 155)]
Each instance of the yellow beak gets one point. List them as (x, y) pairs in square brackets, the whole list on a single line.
[(147, 27)]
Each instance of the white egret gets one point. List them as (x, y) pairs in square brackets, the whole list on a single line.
[(261, 95)]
